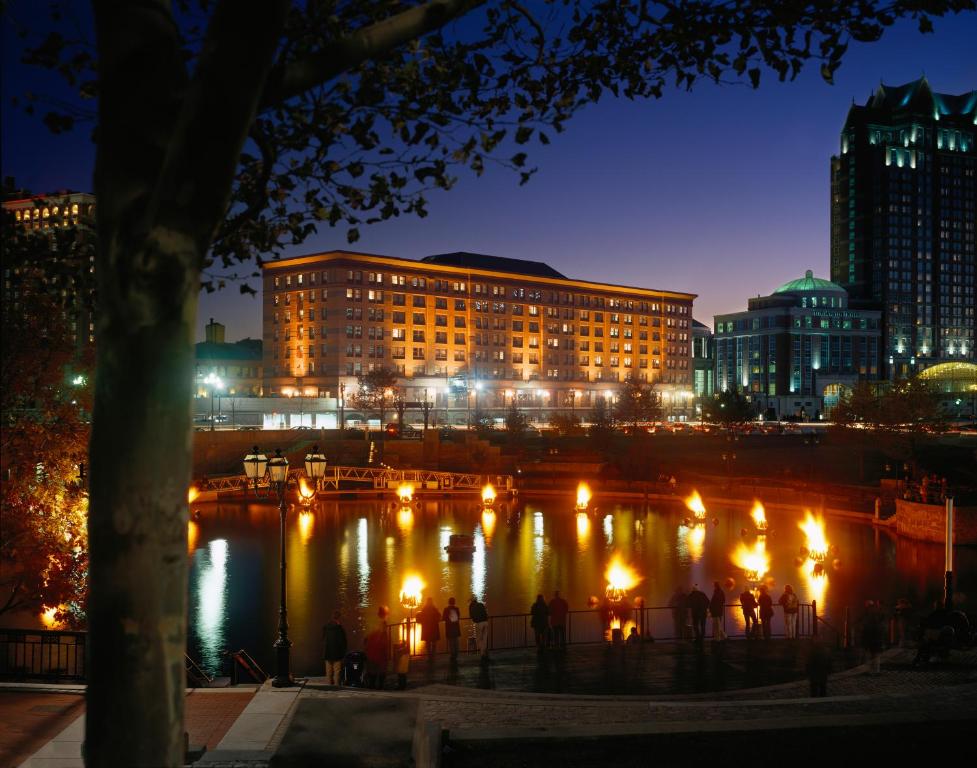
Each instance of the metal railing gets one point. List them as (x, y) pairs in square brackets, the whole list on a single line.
[(514, 631), (43, 654), (379, 477)]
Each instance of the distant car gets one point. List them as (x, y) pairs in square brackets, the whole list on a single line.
[(303, 427), (405, 432), (247, 428)]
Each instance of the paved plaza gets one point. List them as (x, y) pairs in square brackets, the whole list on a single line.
[(618, 702)]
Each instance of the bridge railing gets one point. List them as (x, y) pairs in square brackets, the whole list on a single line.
[(379, 477)]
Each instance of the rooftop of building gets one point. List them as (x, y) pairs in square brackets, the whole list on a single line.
[(489, 266), (918, 95), (244, 349), (467, 260), (810, 283)]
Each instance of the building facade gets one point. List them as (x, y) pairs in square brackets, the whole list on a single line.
[(64, 263), (231, 369), (465, 330), (793, 352), (903, 218)]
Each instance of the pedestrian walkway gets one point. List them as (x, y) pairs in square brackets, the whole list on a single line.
[(501, 724), (55, 742)]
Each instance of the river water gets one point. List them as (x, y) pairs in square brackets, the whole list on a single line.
[(354, 556)]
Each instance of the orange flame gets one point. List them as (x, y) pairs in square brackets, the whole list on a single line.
[(410, 594), (405, 492), (192, 494), (583, 496), (817, 542), (48, 619), (620, 578), (488, 495), (306, 492), (695, 505), (754, 560), (759, 515)]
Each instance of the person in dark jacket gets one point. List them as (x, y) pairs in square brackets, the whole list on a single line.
[(540, 621), (452, 628), (558, 610), (749, 605), (334, 637), (698, 605), (717, 606), (818, 669), (480, 622), (429, 617), (765, 603)]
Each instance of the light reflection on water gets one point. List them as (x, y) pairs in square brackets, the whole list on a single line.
[(355, 554)]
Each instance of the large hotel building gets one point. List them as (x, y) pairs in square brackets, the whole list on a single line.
[(461, 327), (904, 222)]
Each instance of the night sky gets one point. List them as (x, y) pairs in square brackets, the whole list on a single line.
[(723, 192)]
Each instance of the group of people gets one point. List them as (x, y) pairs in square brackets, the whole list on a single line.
[(930, 489), (429, 618), (757, 612), (549, 622)]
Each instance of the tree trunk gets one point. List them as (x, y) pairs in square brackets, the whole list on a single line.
[(141, 469)]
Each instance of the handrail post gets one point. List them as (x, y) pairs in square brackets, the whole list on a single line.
[(814, 618)]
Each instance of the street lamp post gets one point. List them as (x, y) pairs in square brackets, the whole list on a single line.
[(255, 464), (214, 382), (278, 475), (315, 466)]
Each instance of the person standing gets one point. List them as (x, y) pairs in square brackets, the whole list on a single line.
[(479, 616), (698, 605), (748, 604), (334, 637), (452, 628), (679, 612), (540, 621), (791, 606), (558, 610), (377, 656), (717, 607), (818, 669), (765, 603), (429, 617)]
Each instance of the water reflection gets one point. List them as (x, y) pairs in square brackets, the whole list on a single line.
[(211, 614), (357, 554)]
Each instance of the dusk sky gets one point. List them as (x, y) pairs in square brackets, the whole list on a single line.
[(722, 192)]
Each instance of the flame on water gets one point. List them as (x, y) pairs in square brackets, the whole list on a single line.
[(759, 515), (192, 494), (488, 524), (193, 533), (306, 524), (488, 495), (695, 505), (405, 492), (410, 594), (620, 578), (816, 581), (306, 492), (583, 496), (817, 542), (754, 560), (405, 519)]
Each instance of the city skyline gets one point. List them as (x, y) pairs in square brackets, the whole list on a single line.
[(628, 181)]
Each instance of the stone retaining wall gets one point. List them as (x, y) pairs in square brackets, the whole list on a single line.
[(927, 522)]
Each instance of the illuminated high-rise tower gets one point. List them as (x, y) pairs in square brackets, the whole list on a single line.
[(903, 218)]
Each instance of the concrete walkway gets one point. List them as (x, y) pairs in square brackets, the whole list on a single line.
[(902, 711)]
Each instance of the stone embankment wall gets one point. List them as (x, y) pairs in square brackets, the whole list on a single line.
[(927, 522)]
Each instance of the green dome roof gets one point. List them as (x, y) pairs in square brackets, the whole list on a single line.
[(809, 283)]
